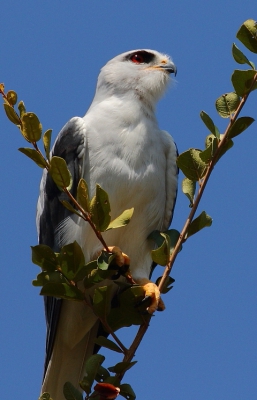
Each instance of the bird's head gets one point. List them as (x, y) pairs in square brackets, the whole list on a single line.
[(145, 73)]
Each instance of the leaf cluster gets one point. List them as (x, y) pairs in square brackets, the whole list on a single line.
[(197, 164)]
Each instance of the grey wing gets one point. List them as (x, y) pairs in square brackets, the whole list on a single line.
[(171, 178), (171, 183), (70, 144)]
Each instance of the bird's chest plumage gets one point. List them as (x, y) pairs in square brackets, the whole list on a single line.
[(129, 163), (126, 157)]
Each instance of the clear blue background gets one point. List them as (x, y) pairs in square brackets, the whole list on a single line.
[(204, 345)]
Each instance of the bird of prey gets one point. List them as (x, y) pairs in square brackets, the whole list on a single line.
[(118, 145)]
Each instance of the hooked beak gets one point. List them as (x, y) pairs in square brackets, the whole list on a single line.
[(169, 67)]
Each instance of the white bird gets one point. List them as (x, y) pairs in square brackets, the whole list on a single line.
[(119, 145)]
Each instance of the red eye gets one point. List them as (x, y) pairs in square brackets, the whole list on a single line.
[(137, 59)]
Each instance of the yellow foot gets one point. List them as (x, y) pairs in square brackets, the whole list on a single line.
[(121, 258), (152, 291)]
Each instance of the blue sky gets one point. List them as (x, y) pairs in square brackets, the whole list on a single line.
[(204, 345)]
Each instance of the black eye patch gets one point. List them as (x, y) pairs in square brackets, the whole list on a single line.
[(140, 57)]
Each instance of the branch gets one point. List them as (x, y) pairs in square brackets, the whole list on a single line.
[(203, 185)]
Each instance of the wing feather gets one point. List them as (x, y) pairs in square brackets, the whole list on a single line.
[(70, 144)]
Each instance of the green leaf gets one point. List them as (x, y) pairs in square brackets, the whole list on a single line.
[(102, 301), (44, 257), (127, 392), (100, 209), (225, 147), (188, 188), (84, 271), (31, 127), (11, 114), (12, 97), (93, 277), (48, 277), (210, 124), (166, 287), (161, 255), (59, 172), (127, 313), (191, 164), (247, 34), (113, 380), (239, 57), (122, 220), (62, 291), (227, 104), (102, 374), (159, 240), (34, 155), (45, 396), (71, 259), (240, 125), (105, 259), (122, 367), (207, 154), (83, 195), (104, 342), (91, 368), (69, 207), (202, 221), (71, 393), (243, 81), (21, 108), (47, 142)]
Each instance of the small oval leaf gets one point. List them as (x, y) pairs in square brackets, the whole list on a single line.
[(11, 114), (243, 81), (188, 188), (191, 164), (207, 154), (227, 104), (122, 367), (202, 221), (121, 220), (161, 255), (100, 209), (104, 342), (239, 57), (62, 291), (92, 365), (31, 127), (83, 195), (240, 125), (71, 393), (21, 108), (210, 124), (12, 97), (47, 142), (127, 392), (102, 301), (247, 34), (59, 172), (34, 155)]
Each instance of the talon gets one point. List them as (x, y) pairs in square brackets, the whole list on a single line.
[(151, 290), (121, 258)]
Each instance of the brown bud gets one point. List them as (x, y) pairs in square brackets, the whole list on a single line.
[(107, 391)]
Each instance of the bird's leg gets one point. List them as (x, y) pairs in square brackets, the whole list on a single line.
[(122, 260), (151, 290)]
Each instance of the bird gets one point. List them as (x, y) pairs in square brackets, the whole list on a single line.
[(117, 144)]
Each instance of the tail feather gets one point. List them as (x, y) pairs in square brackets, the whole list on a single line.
[(72, 347)]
